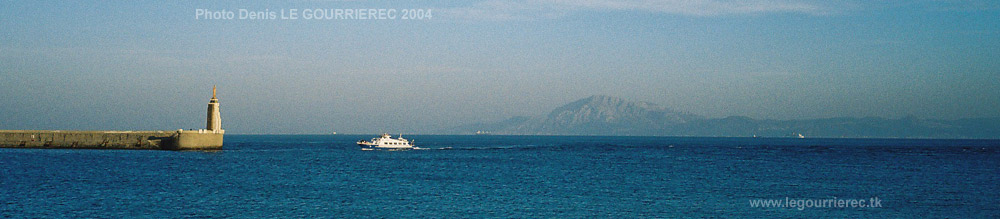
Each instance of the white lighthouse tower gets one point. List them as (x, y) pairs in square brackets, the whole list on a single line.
[(214, 122)]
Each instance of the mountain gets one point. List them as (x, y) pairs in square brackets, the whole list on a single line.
[(613, 116), (595, 115), (604, 115)]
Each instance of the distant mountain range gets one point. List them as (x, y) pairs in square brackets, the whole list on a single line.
[(604, 115)]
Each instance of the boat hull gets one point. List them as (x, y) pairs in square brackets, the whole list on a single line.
[(385, 147)]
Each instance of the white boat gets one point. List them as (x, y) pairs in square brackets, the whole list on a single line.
[(386, 142)]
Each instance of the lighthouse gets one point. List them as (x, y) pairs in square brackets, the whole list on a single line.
[(214, 122)]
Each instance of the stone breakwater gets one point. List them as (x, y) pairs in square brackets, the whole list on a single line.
[(209, 138), (151, 140)]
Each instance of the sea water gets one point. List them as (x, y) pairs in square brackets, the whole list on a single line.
[(508, 176)]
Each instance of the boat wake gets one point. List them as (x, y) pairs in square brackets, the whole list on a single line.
[(514, 147), (459, 148)]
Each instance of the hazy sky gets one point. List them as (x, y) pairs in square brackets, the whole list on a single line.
[(123, 65)]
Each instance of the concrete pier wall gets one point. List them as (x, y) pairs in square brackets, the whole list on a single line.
[(153, 140), (197, 140)]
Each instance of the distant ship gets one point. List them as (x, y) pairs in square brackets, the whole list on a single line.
[(386, 142)]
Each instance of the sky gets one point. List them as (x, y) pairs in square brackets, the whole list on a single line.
[(124, 65)]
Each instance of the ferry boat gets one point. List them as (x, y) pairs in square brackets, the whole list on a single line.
[(386, 142)]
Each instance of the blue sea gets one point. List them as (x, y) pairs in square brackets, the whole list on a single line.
[(508, 177)]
